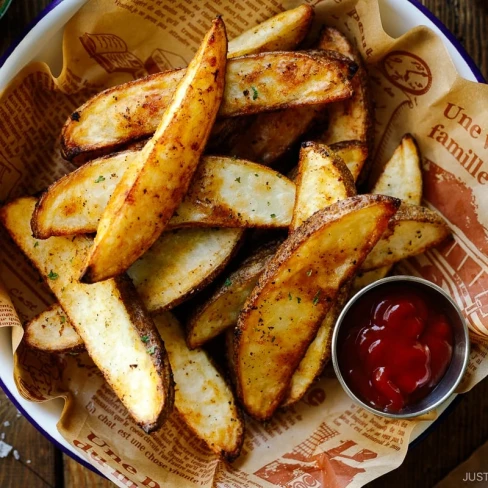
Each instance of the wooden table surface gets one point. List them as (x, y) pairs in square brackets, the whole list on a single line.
[(37, 463)]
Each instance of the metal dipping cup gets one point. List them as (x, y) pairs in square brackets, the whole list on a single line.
[(460, 353)]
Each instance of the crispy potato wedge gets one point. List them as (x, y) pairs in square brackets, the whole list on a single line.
[(222, 308), (51, 331), (352, 119), (283, 32), (224, 192), (353, 153), (293, 295), (401, 176), (272, 134), (286, 79), (411, 231), (180, 263), (154, 184), (322, 180), (318, 352), (203, 399), (255, 83), (103, 314)]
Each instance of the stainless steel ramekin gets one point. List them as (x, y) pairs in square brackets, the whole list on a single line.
[(460, 355)]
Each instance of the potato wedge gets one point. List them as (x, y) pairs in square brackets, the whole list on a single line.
[(254, 83), (227, 192), (353, 153), (203, 399), (224, 192), (155, 183), (323, 179), (411, 231), (318, 352), (272, 134), (283, 32), (401, 176), (286, 308), (215, 418), (51, 331), (222, 308), (104, 314), (352, 119), (180, 263)]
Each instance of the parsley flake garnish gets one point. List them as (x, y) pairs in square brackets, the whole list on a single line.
[(151, 350), (255, 93), (63, 319), (100, 179), (144, 338), (273, 216), (227, 282), (289, 296), (309, 272), (316, 298), (52, 275), (238, 179), (299, 299), (36, 243)]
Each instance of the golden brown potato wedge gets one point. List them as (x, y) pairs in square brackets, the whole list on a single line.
[(353, 153), (222, 308), (180, 263), (154, 184), (411, 231), (286, 308), (283, 32), (224, 192), (401, 176), (51, 331), (272, 134), (352, 119), (255, 83), (203, 399), (105, 314), (322, 180), (318, 352)]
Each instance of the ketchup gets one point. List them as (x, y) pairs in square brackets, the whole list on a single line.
[(397, 345)]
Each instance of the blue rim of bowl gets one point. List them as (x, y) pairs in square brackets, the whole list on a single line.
[(27, 29), (477, 74), (46, 434)]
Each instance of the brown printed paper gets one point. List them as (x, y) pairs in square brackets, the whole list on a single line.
[(324, 440)]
